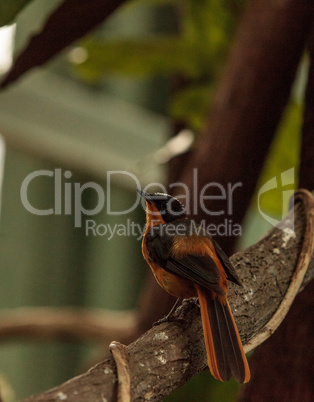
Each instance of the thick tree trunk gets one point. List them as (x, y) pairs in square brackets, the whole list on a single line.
[(283, 367), (250, 99), (306, 179)]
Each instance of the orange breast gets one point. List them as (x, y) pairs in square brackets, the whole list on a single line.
[(173, 284)]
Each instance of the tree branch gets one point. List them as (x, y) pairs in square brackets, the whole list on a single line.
[(69, 22), (297, 277), (168, 355), (67, 324)]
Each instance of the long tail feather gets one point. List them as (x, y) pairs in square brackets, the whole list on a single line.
[(225, 353)]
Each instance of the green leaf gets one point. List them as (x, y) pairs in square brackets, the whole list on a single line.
[(198, 53), (283, 155), (153, 2), (209, 24), (191, 105), (139, 57), (203, 387), (9, 10)]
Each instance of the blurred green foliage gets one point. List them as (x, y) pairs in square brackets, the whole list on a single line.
[(283, 155), (195, 52), (203, 386), (191, 104), (146, 57), (9, 9)]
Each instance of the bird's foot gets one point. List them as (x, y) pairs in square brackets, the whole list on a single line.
[(170, 318)]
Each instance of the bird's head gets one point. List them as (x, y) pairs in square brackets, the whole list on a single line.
[(163, 207)]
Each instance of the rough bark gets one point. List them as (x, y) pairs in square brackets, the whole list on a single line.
[(168, 355), (283, 367)]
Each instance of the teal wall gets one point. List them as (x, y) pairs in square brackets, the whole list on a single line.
[(45, 261)]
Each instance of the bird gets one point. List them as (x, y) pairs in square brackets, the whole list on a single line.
[(187, 263)]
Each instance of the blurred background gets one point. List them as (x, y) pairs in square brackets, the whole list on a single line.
[(108, 102)]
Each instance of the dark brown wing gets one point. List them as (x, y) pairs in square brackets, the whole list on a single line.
[(228, 267), (198, 269)]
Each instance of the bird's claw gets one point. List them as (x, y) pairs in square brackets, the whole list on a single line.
[(171, 318)]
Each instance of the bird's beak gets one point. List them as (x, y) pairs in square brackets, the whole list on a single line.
[(146, 196)]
